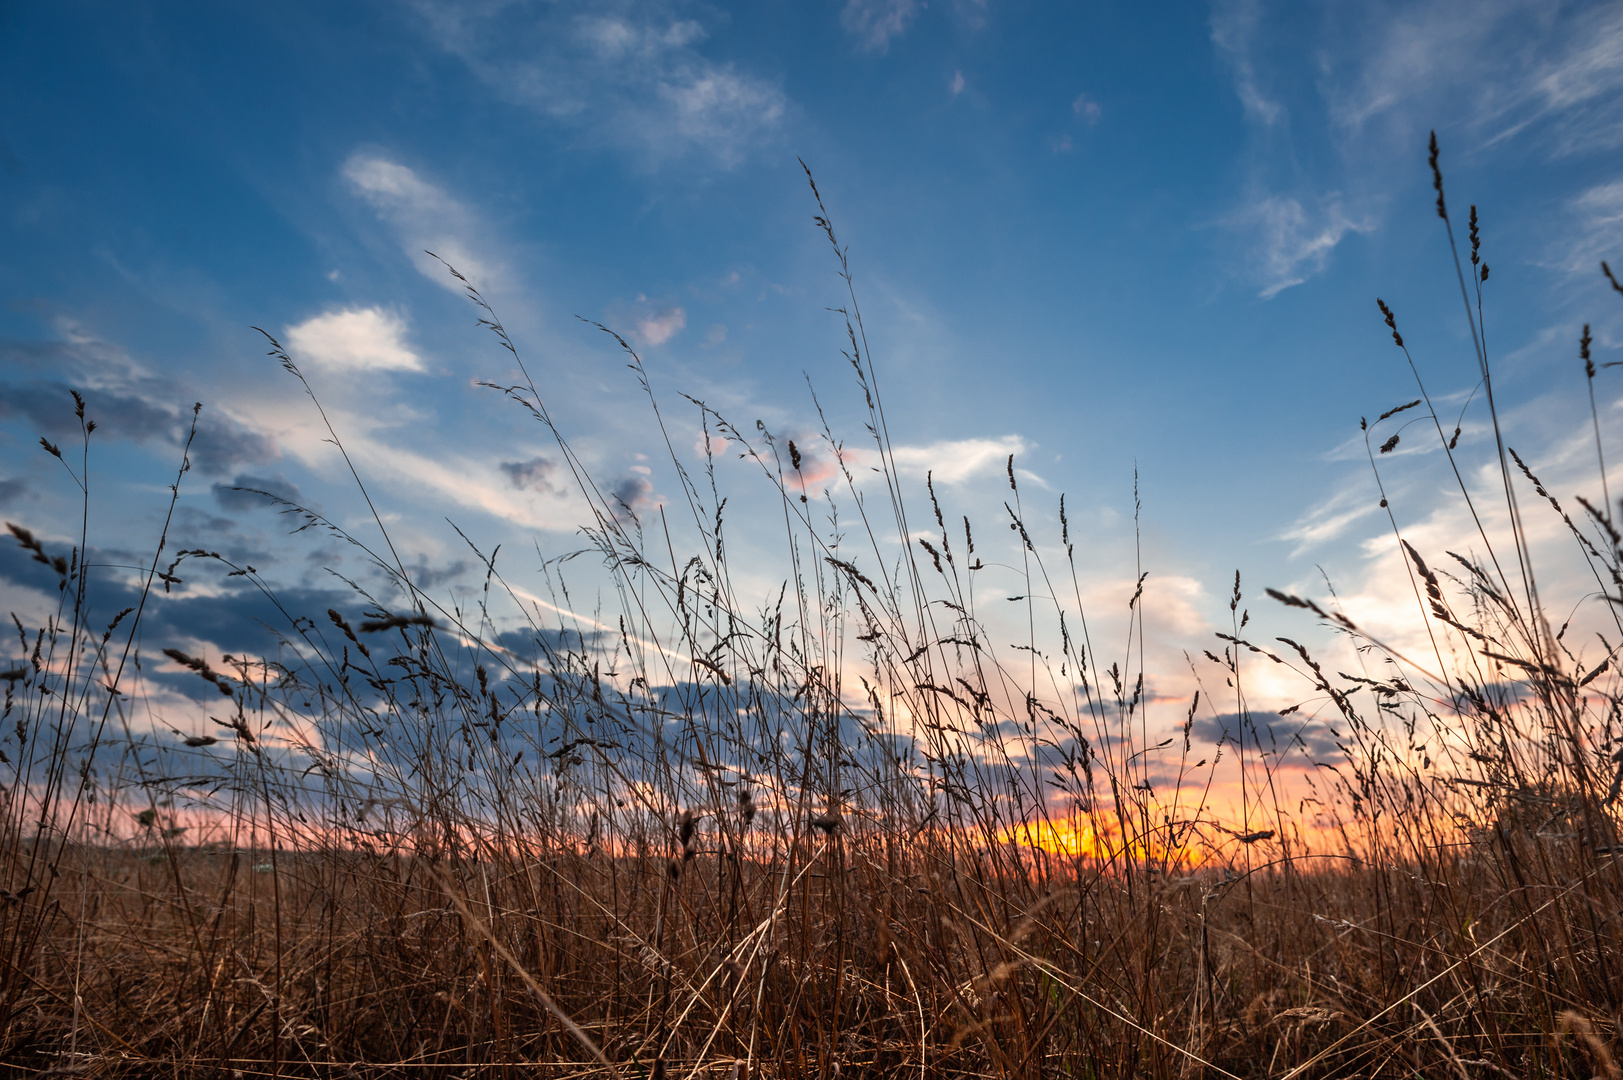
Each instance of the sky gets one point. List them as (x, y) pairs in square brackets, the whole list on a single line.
[(1136, 246)]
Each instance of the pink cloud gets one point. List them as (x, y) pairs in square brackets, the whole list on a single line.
[(660, 326)]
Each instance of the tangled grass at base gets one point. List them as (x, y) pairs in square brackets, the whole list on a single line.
[(831, 831)]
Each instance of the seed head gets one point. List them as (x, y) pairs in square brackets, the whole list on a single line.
[(1437, 179), (1391, 321)]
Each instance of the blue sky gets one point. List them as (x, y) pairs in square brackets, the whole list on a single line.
[(1105, 237)]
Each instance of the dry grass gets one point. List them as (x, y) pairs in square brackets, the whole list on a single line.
[(711, 834)]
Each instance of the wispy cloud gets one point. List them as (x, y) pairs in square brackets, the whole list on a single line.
[(1291, 235), (425, 217), (420, 473), (1505, 68), (1332, 517), (1234, 26), (1597, 218), (1293, 241), (954, 461), (875, 22), (632, 73), (1484, 73)]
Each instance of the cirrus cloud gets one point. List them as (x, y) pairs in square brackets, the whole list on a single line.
[(631, 73), (874, 22), (1293, 241), (954, 461), (426, 218)]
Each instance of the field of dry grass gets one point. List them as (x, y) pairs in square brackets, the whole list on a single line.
[(709, 833)]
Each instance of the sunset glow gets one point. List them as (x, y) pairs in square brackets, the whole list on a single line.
[(838, 538)]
